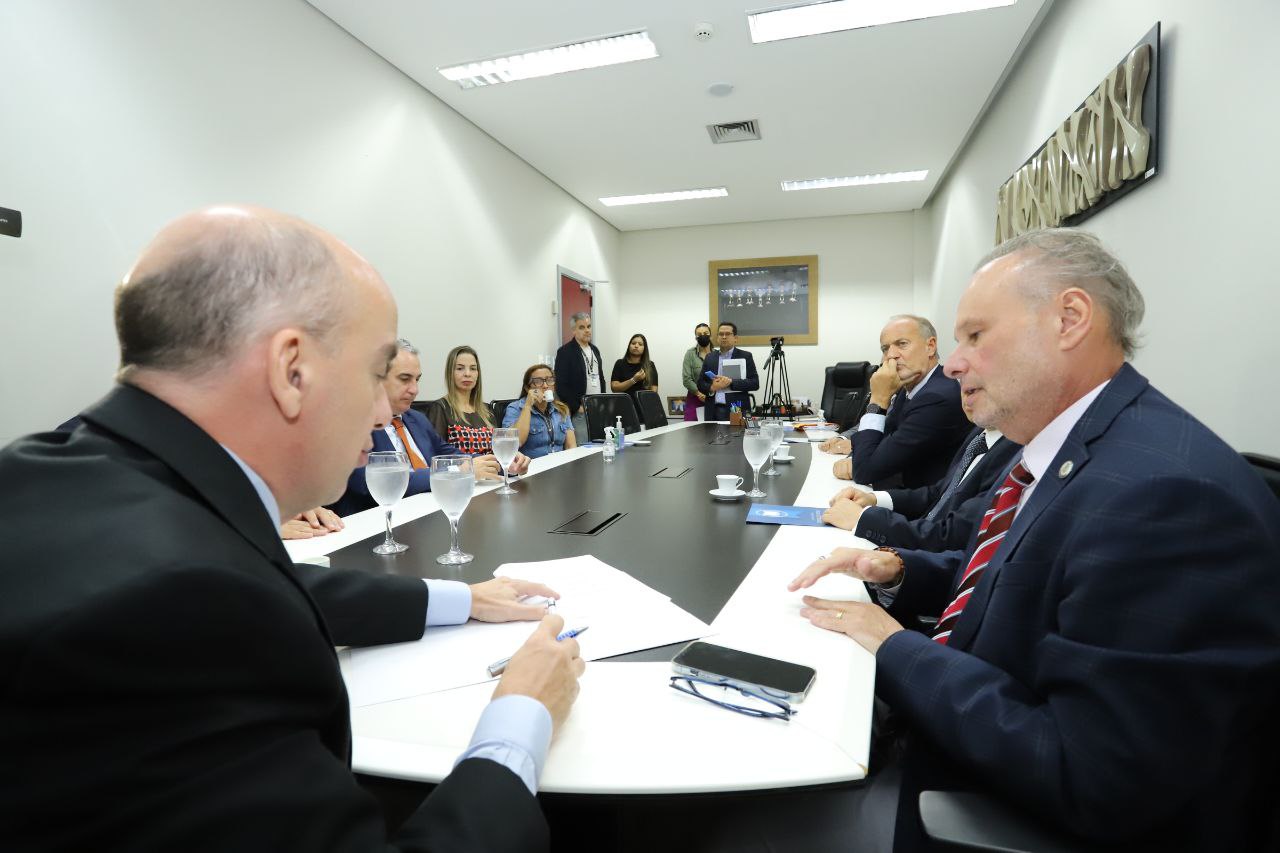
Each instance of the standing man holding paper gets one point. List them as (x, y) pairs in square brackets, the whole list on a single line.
[(728, 375)]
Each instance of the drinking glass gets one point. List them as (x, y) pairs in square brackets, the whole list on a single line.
[(506, 444), (452, 482), (774, 430), (387, 476), (756, 446)]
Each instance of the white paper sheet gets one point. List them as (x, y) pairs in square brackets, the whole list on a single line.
[(623, 615)]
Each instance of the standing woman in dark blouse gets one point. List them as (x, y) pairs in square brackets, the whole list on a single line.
[(461, 416), (635, 372)]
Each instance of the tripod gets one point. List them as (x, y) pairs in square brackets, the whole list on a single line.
[(777, 398)]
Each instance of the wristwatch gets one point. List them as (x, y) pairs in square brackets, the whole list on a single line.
[(874, 409)]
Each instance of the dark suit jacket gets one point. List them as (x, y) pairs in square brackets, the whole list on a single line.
[(169, 678), (571, 374), (357, 497), (904, 526), (738, 388), (1116, 669), (920, 435)]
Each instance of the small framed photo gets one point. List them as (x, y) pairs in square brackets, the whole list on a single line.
[(675, 407)]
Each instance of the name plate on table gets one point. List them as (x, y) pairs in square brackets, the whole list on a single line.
[(804, 516)]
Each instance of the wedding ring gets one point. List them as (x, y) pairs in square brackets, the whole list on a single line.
[(839, 614)]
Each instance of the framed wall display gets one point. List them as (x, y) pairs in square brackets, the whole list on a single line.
[(766, 298), (675, 407), (1105, 149)]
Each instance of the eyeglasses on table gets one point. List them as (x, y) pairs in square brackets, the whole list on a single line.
[(690, 685)]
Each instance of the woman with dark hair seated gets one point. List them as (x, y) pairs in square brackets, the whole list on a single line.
[(542, 422)]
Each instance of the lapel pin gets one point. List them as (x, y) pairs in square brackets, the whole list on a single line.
[(1065, 470)]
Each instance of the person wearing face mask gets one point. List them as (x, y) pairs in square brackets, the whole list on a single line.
[(692, 369), (461, 416), (542, 422)]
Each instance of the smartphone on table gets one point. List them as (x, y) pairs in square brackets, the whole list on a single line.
[(777, 679)]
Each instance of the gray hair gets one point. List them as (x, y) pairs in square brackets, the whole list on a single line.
[(224, 288), (403, 344), (926, 328), (1058, 258), (581, 315)]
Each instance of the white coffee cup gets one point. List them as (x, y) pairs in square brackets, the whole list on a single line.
[(548, 395), (783, 453), (728, 482)]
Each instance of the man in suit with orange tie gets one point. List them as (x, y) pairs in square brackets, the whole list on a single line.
[(411, 433)]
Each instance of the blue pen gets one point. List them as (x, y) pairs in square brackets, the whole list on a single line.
[(500, 666)]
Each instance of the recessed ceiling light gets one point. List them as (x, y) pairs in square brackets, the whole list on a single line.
[(831, 16), (859, 181), (678, 195), (608, 50)]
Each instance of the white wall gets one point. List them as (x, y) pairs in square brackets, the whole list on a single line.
[(119, 116), (865, 275), (1199, 239)]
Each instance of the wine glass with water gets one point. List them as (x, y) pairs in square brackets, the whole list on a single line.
[(756, 446), (387, 476), (452, 482), (774, 429), (506, 444)]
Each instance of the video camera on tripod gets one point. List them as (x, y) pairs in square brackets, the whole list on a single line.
[(777, 386)]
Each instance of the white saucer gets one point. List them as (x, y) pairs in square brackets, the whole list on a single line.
[(785, 460), (726, 496)]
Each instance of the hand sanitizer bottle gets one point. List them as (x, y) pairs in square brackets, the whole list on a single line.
[(610, 444), (620, 432)]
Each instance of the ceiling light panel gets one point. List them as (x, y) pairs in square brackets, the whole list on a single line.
[(608, 50), (835, 15), (678, 195), (859, 181)]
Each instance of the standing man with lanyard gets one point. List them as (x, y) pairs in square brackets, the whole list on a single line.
[(726, 390), (579, 372)]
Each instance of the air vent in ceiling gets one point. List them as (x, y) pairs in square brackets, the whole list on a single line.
[(734, 131)]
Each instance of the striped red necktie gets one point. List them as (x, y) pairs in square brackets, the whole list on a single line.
[(995, 524)]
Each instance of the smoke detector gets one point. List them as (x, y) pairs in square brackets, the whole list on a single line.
[(703, 31)]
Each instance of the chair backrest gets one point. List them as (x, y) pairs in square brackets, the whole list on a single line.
[(1268, 467), (499, 409), (423, 406), (652, 412), (841, 378), (604, 409)]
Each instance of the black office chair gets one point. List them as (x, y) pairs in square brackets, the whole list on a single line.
[(422, 406), (846, 392), (603, 410), (965, 820), (652, 412), (499, 409), (1268, 467)]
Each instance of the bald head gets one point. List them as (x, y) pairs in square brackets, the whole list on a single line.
[(270, 335), (213, 280)]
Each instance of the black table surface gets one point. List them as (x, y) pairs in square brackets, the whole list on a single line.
[(673, 537)]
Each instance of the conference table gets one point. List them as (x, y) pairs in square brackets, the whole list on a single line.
[(629, 733)]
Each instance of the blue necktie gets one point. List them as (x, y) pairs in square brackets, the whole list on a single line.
[(976, 448)]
